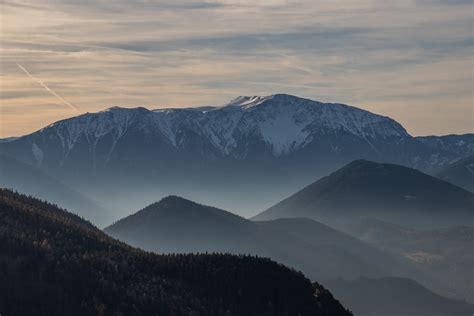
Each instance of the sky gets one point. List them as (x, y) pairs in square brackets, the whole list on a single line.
[(411, 60)]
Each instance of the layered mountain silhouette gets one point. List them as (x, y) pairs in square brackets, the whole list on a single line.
[(273, 144), (366, 189), (460, 173), (395, 297), (177, 225), (30, 180), (55, 263)]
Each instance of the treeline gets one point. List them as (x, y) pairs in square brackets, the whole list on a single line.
[(55, 263)]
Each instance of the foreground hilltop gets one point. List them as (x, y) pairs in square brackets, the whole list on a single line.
[(55, 263)]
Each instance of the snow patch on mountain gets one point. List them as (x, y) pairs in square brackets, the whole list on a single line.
[(37, 153), (283, 134), (247, 102)]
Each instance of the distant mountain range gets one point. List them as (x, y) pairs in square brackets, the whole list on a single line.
[(177, 225), (394, 297), (365, 189), (398, 209), (55, 263), (274, 144)]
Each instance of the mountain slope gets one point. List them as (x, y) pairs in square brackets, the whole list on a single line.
[(446, 252), (462, 145), (178, 225), (272, 144), (55, 263), (30, 180), (395, 297), (384, 191), (460, 173), (279, 124)]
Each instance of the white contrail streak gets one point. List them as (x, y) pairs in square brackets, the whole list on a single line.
[(66, 102)]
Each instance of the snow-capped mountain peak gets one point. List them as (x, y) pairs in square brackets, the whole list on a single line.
[(247, 102), (279, 124)]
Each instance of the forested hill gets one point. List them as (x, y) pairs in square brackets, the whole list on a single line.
[(55, 263)]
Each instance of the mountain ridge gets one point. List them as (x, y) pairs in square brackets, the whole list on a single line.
[(274, 144), (369, 189), (204, 122)]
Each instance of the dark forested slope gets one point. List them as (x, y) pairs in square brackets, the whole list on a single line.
[(55, 263)]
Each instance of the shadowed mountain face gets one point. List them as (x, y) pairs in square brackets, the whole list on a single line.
[(395, 297), (272, 145), (460, 173), (178, 225), (54, 263), (383, 191), (30, 180)]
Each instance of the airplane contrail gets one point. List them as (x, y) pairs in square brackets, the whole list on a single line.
[(64, 101)]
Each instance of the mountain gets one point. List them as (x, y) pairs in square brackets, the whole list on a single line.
[(462, 145), (30, 180), (375, 190), (445, 252), (272, 144), (395, 297), (8, 139), (276, 125), (460, 173), (55, 263), (177, 225)]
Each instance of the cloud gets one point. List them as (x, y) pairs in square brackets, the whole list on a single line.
[(395, 58)]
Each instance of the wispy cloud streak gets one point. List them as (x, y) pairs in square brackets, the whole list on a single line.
[(405, 59), (41, 83)]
